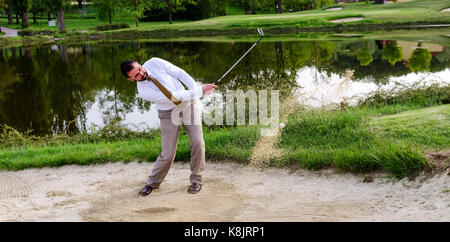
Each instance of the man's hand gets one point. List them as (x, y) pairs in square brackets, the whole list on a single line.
[(208, 88)]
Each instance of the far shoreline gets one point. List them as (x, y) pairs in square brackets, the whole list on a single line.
[(41, 37)]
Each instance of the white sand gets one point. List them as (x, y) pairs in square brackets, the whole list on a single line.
[(333, 9), (445, 10), (231, 192), (342, 20)]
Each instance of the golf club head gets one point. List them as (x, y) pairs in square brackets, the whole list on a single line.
[(261, 32)]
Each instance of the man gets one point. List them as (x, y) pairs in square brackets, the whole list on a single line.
[(159, 82)]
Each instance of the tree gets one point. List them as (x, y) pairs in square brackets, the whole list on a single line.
[(250, 5), (23, 7), (212, 8), (364, 56), (172, 6), (323, 3), (392, 52), (59, 5), (49, 7), (10, 6), (279, 6), (80, 4), (106, 9), (420, 60), (137, 8), (36, 7)]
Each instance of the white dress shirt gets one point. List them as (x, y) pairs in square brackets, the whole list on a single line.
[(169, 76)]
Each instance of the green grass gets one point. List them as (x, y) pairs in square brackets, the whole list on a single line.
[(428, 127), (391, 137), (234, 144), (418, 11), (87, 24), (413, 11)]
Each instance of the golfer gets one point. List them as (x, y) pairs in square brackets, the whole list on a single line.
[(161, 83)]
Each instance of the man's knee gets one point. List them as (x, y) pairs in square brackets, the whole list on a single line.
[(198, 143), (167, 155)]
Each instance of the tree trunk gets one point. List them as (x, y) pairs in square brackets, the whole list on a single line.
[(315, 4), (34, 17), (110, 16), (49, 16), (28, 54), (17, 18), (10, 21), (63, 53), (60, 19), (248, 9), (280, 59), (25, 23), (13, 53), (169, 5), (137, 17), (279, 6)]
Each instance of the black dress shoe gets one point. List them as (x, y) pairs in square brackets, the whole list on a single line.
[(194, 188), (146, 190)]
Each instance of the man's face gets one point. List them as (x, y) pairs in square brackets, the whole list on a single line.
[(137, 73)]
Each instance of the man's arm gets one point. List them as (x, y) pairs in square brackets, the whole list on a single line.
[(194, 91)]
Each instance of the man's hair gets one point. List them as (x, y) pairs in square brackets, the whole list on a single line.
[(126, 67)]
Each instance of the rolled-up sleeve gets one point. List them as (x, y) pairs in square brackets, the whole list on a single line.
[(194, 91)]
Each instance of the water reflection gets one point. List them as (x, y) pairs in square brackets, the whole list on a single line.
[(334, 89), (72, 88)]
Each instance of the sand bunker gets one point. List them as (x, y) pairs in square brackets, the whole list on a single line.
[(445, 10), (333, 9), (348, 35), (231, 192), (343, 20)]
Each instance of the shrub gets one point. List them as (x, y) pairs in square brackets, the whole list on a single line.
[(29, 32), (107, 27)]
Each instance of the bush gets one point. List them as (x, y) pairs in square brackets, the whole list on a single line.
[(29, 32), (107, 27)]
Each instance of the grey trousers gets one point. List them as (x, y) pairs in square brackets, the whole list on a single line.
[(190, 117)]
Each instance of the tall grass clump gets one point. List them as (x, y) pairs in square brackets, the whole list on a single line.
[(115, 142), (402, 98), (113, 131), (399, 159)]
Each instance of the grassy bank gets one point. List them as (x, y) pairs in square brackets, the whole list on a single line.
[(386, 131), (231, 144), (25, 41)]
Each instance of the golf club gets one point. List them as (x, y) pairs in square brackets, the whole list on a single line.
[(261, 33)]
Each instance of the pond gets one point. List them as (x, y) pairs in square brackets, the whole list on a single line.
[(78, 87)]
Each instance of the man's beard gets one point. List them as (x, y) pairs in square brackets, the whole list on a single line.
[(145, 76)]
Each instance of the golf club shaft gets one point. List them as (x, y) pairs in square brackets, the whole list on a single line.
[(238, 60)]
